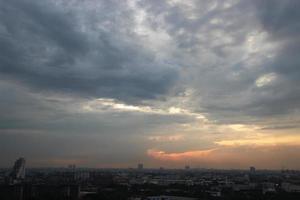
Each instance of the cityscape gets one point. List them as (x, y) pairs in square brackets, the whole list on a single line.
[(149, 100), (72, 183)]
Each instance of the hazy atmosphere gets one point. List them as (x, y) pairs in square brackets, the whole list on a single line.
[(98, 83)]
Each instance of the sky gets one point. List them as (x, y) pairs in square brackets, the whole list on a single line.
[(113, 83)]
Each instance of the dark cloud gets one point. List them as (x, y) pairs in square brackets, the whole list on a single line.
[(46, 46), (281, 20)]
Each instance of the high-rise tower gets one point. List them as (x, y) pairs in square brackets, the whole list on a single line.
[(18, 171)]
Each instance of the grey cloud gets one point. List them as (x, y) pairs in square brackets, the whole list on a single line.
[(220, 70), (31, 124), (280, 18), (284, 127), (46, 46), (38, 149), (84, 50), (23, 109)]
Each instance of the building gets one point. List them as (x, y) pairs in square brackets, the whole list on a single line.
[(169, 198), (140, 166), (18, 172), (72, 167), (252, 169), (44, 191), (289, 187)]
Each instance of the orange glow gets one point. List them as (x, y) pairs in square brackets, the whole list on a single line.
[(262, 140), (234, 157), (161, 155)]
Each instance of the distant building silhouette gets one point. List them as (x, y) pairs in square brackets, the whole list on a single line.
[(252, 169), (140, 166), (72, 167), (18, 171)]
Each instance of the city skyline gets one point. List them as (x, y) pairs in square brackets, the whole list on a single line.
[(163, 83)]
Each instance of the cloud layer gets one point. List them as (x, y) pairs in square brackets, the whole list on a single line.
[(158, 79)]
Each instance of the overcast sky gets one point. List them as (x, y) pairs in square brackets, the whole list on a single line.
[(111, 83)]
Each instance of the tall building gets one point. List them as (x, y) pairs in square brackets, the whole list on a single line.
[(252, 169), (140, 166), (18, 171)]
